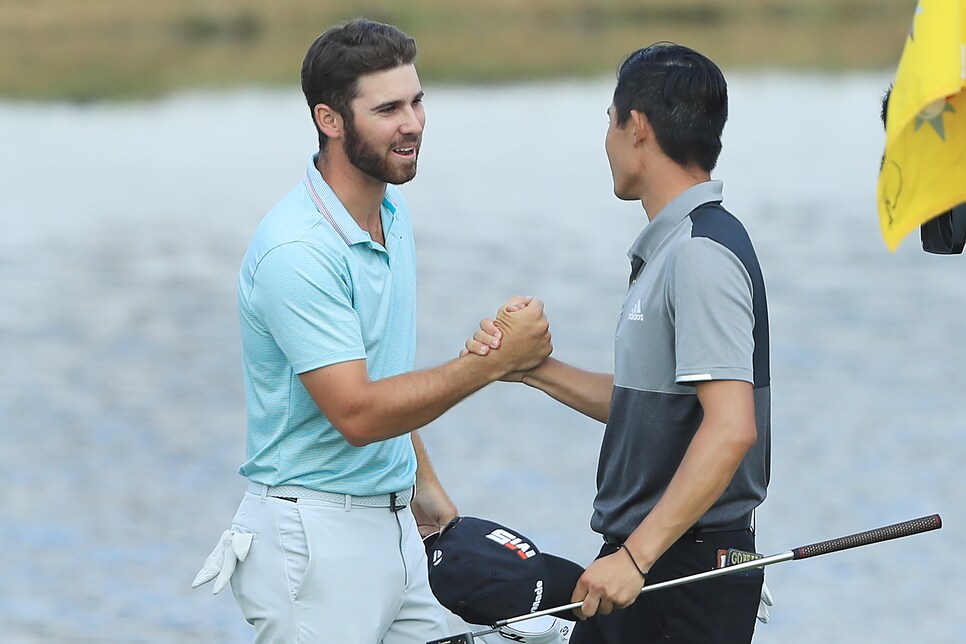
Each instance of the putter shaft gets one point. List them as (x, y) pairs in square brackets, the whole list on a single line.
[(895, 531)]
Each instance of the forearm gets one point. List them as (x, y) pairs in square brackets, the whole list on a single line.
[(705, 471), (432, 506), (425, 473), (584, 391), (365, 411), (394, 406)]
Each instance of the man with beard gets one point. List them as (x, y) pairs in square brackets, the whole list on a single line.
[(326, 544)]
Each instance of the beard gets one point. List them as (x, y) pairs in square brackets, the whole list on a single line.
[(379, 166)]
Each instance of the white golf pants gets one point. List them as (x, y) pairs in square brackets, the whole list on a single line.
[(319, 572)]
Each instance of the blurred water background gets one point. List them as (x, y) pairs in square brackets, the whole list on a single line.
[(121, 403)]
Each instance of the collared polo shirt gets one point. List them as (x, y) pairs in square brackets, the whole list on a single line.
[(695, 311), (315, 290)]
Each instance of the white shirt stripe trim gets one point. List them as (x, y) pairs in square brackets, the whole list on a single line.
[(325, 211), (696, 377)]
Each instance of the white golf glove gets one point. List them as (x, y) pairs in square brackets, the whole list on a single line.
[(232, 547), (763, 613)]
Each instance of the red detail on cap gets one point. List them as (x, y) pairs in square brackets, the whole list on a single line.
[(514, 548)]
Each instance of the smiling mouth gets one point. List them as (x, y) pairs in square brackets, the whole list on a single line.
[(407, 153)]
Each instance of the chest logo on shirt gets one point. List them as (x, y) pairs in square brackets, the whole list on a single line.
[(635, 315)]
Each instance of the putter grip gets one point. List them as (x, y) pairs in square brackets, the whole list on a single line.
[(904, 529)]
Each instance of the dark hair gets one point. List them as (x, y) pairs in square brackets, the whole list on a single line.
[(684, 96), (337, 58)]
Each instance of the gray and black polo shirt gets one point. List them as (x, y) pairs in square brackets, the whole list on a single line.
[(695, 311)]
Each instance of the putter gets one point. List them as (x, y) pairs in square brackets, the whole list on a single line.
[(904, 529)]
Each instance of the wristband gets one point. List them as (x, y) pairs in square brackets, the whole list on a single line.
[(633, 561)]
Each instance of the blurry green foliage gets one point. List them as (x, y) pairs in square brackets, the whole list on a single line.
[(92, 49)]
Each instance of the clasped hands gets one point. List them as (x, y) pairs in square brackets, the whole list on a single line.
[(520, 332)]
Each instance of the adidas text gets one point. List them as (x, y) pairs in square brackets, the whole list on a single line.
[(635, 315)]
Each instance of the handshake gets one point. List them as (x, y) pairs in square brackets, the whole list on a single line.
[(515, 342)]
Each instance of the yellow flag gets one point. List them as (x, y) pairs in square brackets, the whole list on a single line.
[(924, 166)]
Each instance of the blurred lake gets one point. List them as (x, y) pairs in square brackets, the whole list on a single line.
[(121, 402)]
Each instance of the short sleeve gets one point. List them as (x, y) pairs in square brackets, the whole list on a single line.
[(710, 297), (303, 297)]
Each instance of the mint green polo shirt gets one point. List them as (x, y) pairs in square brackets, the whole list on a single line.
[(315, 290)]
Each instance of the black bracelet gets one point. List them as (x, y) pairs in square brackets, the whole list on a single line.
[(633, 561)]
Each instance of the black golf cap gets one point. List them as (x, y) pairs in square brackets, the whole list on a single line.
[(485, 572)]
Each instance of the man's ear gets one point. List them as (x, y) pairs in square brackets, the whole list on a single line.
[(328, 121), (641, 126)]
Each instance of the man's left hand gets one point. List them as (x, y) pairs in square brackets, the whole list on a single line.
[(432, 508), (608, 583)]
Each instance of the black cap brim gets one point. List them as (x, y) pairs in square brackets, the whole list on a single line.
[(563, 579), (558, 588)]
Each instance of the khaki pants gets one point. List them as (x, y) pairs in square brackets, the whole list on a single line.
[(318, 572)]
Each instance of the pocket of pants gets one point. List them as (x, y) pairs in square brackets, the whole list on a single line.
[(294, 546)]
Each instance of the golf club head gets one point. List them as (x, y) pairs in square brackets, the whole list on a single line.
[(462, 638)]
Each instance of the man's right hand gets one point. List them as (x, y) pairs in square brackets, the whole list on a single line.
[(488, 335), (520, 331), (526, 336)]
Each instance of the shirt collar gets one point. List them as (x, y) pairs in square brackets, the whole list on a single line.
[(338, 216), (673, 214)]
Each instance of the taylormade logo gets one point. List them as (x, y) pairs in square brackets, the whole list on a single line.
[(538, 593), (437, 557), (509, 540), (635, 315)]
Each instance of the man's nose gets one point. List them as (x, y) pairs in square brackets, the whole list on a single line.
[(413, 123)]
